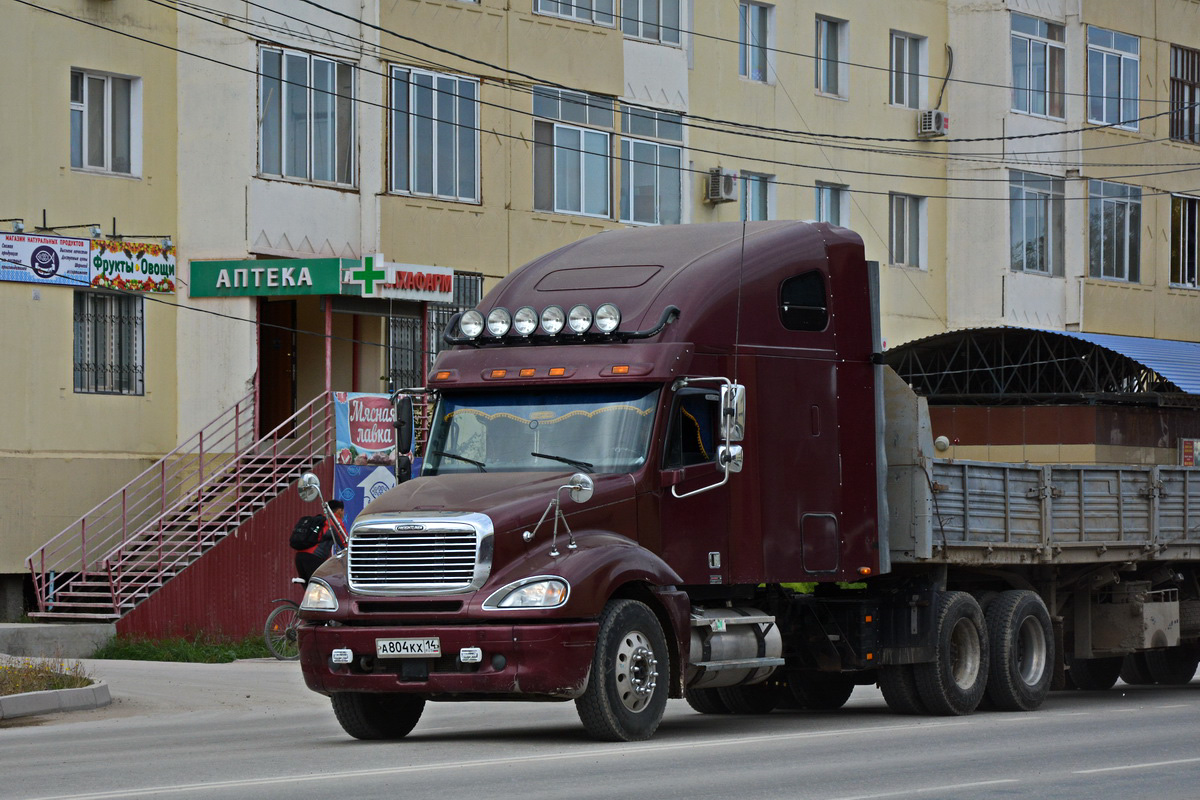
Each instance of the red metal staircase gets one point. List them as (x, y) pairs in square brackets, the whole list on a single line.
[(127, 547)]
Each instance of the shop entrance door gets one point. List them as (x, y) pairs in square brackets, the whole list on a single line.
[(276, 363)]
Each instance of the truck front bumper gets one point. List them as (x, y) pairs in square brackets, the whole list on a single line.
[(529, 661)]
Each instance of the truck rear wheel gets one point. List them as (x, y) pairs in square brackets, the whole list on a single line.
[(1021, 640), (706, 701), (1134, 670), (899, 687), (954, 682), (627, 691), (758, 698), (369, 715), (821, 691), (1173, 666), (1095, 674)]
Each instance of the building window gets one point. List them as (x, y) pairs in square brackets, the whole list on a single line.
[(656, 20), (1112, 78), (831, 56), (1114, 231), (1035, 224), (105, 122), (306, 117), (1185, 229), (598, 12), (409, 355), (907, 67), (756, 196), (907, 230), (108, 343), (572, 171), (651, 174), (435, 135), (752, 41), (1038, 72), (832, 201), (1185, 94)]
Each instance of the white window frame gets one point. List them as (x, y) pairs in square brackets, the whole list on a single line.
[(831, 73), (658, 21), (559, 111), (109, 329), (1043, 196), (1034, 94), (831, 203), (909, 64), (85, 102), (1122, 205), (663, 182), (758, 195), (754, 57), (402, 177), (1185, 241), (910, 211), (1107, 49), (340, 104), (593, 12)]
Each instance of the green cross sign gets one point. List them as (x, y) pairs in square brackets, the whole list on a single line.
[(370, 272)]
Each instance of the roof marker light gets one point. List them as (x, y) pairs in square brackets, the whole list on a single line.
[(498, 322), (498, 373), (525, 321), (553, 319), (471, 323), (623, 369), (608, 318), (557, 372), (580, 319), (527, 372), (441, 376)]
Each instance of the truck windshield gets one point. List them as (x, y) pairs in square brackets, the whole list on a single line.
[(589, 430)]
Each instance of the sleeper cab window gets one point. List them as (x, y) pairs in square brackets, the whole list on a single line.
[(802, 303)]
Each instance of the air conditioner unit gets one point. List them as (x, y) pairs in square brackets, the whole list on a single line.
[(722, 186), (932, 123)]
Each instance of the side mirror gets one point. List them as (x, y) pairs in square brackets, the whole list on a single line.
[(404, 423), (309, 487), (730, 458), (580, 487), (733, 412)]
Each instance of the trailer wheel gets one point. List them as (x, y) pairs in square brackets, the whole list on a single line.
[(369, 715), (1095, 674), (1021, 639), (1173, 666), (706, 701), (627, 691), (821, 691), (954, 682), (758, 698), (899, 687), (1135, 671)]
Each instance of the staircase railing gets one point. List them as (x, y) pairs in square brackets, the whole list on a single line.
[(167, 516)]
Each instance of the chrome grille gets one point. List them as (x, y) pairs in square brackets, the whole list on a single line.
[(422, 556)]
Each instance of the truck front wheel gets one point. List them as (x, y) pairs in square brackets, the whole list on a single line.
[(368, 715), (1021, 638), (627, 691), (954, 682)]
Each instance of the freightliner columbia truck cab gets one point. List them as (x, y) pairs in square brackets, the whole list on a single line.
[(637, 440)]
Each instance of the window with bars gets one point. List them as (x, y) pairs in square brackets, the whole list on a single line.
[(1185, 230), (105, 122), (109, 338), (408, 360), (1114, 231), (1185, 94), (434, 135), (306, 117)]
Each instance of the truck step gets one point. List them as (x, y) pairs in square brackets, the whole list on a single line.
[(743, 663), (720, 623)]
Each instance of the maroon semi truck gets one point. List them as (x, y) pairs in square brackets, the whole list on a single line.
[(669, 462)]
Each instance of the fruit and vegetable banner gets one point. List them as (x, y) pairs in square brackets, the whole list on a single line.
[(365, 465), (132, 266)]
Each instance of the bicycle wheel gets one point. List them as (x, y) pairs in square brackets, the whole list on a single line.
[(280, 632)]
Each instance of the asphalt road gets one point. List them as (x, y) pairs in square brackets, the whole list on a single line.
[(251, 729)]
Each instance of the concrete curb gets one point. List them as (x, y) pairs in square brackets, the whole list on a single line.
[(54, 700)]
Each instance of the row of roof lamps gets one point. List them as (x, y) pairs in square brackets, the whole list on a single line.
[(579, 320)]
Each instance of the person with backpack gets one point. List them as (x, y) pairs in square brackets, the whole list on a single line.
[(317, 538)]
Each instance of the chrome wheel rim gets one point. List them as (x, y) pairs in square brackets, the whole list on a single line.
[(636, 671)]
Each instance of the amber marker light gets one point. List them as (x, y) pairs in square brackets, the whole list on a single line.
[(864, 570), (621, 370), (527, 372), (441, 376), (499, 373), (557, 372)]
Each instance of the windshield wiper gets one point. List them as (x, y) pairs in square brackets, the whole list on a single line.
[(573, 462), (444, 454)]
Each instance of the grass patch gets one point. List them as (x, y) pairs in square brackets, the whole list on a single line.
[(199, 649), (21, 675)]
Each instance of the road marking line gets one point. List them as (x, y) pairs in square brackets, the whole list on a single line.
[(1150, 765), (928, 789)]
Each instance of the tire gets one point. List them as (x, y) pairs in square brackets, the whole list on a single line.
[(1135, 671), (368, 715), (1174, 666), (627, 690), (954, 682), (821, 691), (899, 687), (758, 698), (1021, 642), (280, 632), (1095, 674), (705, 701)]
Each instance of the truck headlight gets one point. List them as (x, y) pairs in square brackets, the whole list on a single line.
[(540, 592), (318, 597)]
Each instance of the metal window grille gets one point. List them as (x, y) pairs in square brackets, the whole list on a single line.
[(408, 358), (109, 335), (1185, 94)]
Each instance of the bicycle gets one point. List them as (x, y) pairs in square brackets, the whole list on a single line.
[(280, 632)]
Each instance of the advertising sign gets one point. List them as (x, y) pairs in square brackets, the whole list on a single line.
[(365, 458), (263, 277), (1189, 452), (376, 277), (132, 266), (44, 259)]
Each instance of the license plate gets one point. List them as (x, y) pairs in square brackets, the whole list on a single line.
[(408, 648)]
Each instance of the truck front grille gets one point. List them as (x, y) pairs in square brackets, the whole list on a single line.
[(418, 555)]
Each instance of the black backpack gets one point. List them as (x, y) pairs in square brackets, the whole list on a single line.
[(307, 532)]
